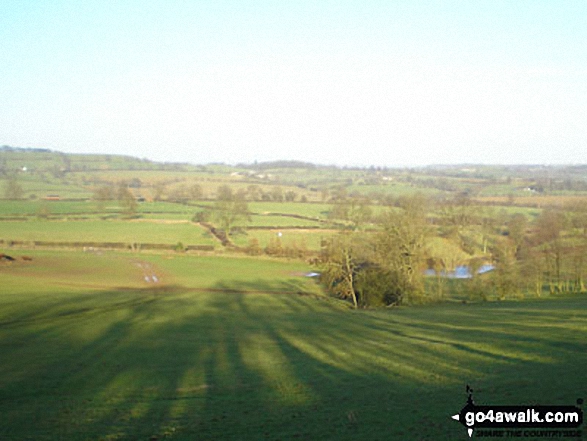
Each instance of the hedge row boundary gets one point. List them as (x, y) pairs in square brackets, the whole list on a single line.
[(103, 245)]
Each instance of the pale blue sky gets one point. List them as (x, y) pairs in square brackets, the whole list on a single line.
[(334, 82)]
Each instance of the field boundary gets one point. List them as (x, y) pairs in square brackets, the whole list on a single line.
[(89, 246)]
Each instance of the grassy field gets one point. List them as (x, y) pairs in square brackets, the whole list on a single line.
[(31, 208), (537, 201), (394, 189), (281, 221), (159, 232), (74, 207), (311, 210), (236, 348), (311, 239)]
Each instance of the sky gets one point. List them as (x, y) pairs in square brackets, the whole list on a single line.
[(357, 83)]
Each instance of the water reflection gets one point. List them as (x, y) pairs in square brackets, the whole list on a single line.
[(461, 272)]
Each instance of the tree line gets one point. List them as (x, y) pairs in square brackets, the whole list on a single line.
[(386, 263)]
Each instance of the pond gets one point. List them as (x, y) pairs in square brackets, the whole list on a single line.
[(461, 272)]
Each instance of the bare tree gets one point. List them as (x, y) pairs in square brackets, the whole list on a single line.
[(506, 274), (341, 257), (549, 228), (224, 193), (126, 199), (158, 190), (290, 196), (400, 249), (102, 195), (517, 225), (230, 208), (359, 212)]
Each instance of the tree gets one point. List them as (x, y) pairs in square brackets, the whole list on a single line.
[(290, 196), (506, 275), (443, 256), (386, 268), (477, 289), (102, 195), (399, 249), (341, 259), (230, 208), (12, 189), (549, 228), (178, 194), (196, 192), (254, 192), (224, 193), (274, 246), (126, 199), (457, 214), (373, 287), (339, 210), (578, 219), (517, 230), (439, 267), (359, 211), (578, 215), (254, 249), (488, 226), (532, 268), (43, 211), (158, 190), (277, 194)]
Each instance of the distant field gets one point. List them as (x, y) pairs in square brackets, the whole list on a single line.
[(239, 349), (148, 177), (309, 238), (107, 231), (319, 211), (394, 189), (282, 221), (52, 207), (25, 207), (310, 210), (209, 179), (535, 201), (501, 190), (66, 190)]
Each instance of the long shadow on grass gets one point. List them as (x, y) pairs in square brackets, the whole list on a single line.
[(262, 360)]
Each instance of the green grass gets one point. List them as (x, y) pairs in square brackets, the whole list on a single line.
[(51, 207), (168, 216), (281, 221), (395, 189), (318, 211), (311, 238), (106, 231), (224, 348), (501, 190), (64, 190), (25, 207), (165, 207)]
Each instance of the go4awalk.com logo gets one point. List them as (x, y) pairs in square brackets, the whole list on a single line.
[(520, 421)]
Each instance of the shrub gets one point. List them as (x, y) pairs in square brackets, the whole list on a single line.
[(374, 288), (253, 248)]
